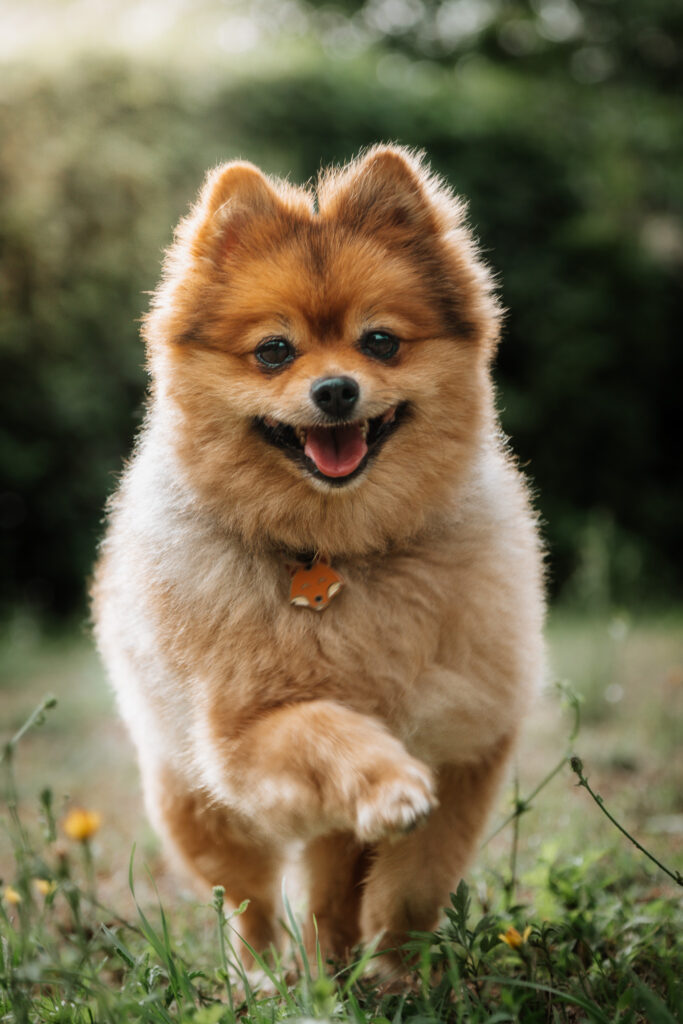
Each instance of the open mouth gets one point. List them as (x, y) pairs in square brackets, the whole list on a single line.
[(337, 453)]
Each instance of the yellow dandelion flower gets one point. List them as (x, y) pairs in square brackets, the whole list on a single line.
[(513, 938), (44, 886), (80, 824), (11, 895)]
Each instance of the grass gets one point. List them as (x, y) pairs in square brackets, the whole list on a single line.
[(562, 919)]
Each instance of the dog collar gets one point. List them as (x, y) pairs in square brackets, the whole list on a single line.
[(313, 582)]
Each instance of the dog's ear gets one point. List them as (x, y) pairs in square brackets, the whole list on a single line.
[(389, 192), (237, 184), (234, 195)]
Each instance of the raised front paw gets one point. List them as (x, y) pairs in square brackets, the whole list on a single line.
[(395, 797)]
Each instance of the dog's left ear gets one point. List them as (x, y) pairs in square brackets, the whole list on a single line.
[(389, 191)]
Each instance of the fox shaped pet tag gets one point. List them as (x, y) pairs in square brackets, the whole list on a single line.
[(314, 586)]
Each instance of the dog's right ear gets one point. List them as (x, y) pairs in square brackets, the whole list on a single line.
[(233, 195), (236, 184)]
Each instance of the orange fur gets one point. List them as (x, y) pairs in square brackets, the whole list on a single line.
[(258, 723)]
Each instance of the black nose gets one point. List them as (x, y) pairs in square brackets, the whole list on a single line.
[(336, 396)]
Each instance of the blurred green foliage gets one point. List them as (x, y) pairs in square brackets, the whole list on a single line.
[(564, 134)]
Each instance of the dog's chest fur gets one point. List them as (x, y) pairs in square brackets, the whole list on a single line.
[(226, 632)]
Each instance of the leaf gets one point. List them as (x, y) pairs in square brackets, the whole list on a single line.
[(657, 1012), (119, 946), (209, 1014), (461, 901)]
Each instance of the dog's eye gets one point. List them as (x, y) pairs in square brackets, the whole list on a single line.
[(379, 344), (275, 352)]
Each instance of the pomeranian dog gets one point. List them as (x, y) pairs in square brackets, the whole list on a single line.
[(320, 595)]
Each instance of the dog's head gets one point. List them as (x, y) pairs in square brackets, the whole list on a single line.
[(327, 351)]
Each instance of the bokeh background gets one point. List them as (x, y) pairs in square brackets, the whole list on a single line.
[(560, 120)]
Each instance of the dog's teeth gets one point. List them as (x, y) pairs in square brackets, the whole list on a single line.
[(364, 429), (301, 435), (388, 416)]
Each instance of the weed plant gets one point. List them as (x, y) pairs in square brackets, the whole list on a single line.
[(596, 939)]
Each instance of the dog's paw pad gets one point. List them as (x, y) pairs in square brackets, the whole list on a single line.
[(396, 806)]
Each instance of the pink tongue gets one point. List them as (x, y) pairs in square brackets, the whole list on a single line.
[(336, 451)]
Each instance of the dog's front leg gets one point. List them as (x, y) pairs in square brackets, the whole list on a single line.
[(307, 769), (410, 880)]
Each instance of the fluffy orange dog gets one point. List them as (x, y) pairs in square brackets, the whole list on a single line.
[(322, 431)]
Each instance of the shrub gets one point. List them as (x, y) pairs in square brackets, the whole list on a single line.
[(572, 193)]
